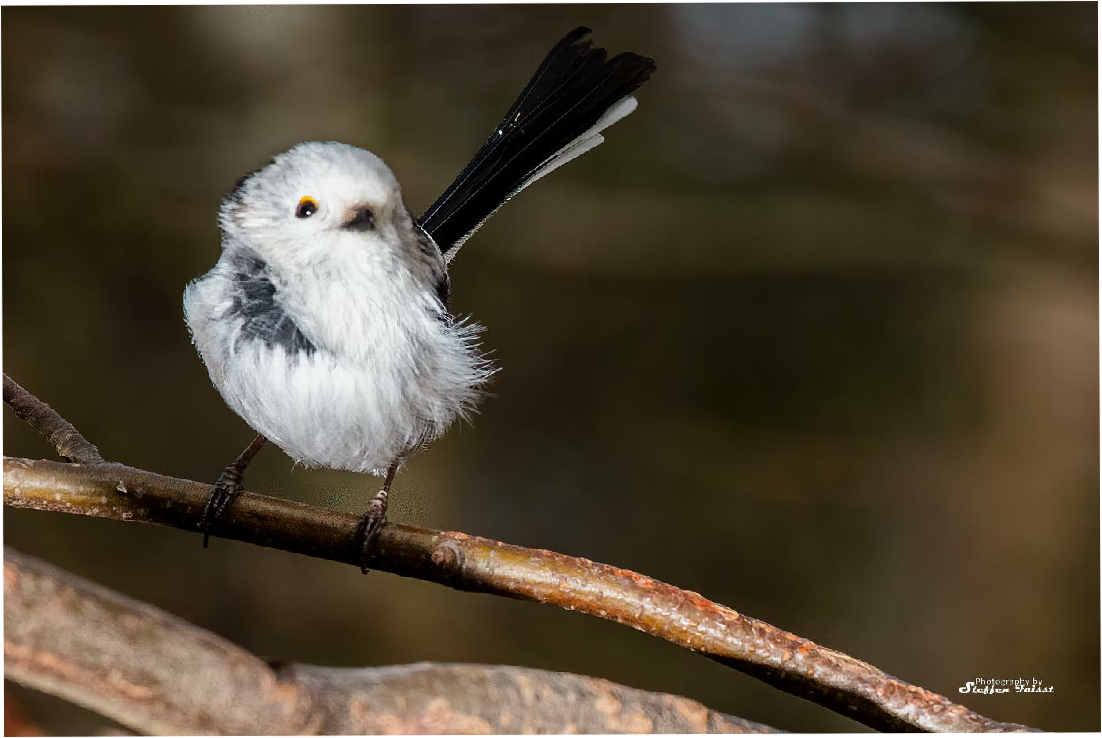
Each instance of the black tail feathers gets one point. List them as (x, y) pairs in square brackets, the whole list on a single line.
[(574, 86)]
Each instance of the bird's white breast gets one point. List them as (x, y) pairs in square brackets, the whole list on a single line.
[(387, 372)]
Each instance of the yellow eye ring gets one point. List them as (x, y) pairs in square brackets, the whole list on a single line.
[(307, 206)]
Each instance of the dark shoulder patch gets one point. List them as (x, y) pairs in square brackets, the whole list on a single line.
[(264, 319), (424, 240), (431, 250)]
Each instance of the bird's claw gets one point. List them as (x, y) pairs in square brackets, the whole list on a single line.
[(369, 528), (225, 489)]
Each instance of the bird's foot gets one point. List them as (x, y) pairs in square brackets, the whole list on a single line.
[(225, 489), (369, 528)]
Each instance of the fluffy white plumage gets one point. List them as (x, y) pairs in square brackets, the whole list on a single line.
[(324, 324), (376, 367)]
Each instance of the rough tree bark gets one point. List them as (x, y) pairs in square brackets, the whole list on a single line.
[(830, 678), (158, 674)]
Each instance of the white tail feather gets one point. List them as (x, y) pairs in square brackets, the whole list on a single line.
[(583, 143)]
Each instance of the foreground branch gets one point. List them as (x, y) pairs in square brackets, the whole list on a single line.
[(469, 563), (138, 665), (796, 665)]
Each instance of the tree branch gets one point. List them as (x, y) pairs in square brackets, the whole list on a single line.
[(796, 665), (68, 441), (138, 665)]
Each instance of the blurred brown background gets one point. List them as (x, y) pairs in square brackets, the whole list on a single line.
[(814, 333)]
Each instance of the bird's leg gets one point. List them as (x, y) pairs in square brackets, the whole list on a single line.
[(376, 515), (228, 485)]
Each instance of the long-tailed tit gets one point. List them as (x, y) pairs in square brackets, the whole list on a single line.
[(325, 322)]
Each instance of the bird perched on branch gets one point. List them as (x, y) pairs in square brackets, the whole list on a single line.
[(325, 322)]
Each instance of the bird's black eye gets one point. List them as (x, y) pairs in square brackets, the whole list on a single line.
[(306, 208)]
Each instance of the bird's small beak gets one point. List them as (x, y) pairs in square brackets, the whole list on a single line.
[(360, 218)]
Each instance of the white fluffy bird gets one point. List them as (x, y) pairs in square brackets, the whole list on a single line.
[(325, 322)]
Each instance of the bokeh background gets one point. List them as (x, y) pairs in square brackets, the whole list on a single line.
[(814, 333)]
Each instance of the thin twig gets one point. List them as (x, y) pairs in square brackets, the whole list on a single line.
[(138, 665), (68, 441), (794, 664)]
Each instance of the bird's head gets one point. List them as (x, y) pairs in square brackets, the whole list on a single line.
[(315, 203)]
